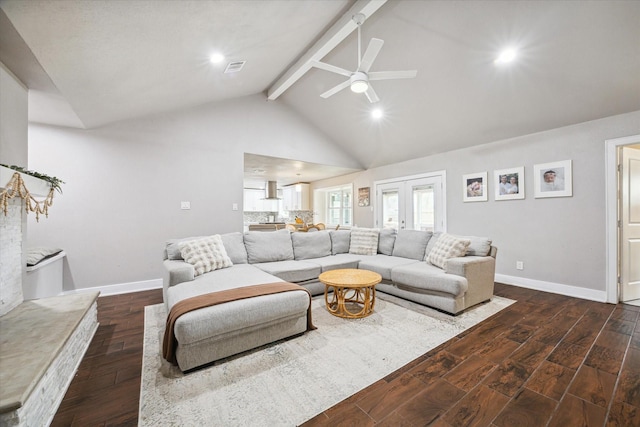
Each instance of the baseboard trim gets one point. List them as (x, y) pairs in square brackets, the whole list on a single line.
[(555, 288), (121, 288)]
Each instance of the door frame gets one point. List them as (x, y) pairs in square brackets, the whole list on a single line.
[(611, 213)]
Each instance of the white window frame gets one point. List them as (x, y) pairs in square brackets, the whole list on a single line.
[(321, 199)]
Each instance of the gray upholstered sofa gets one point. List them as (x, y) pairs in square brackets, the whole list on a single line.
[(402, 259)]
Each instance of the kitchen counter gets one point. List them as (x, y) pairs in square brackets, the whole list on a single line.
[(270, 226)]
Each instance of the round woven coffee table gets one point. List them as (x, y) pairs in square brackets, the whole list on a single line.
[(352, 288)]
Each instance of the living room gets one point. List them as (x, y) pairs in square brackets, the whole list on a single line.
[(126, 176)]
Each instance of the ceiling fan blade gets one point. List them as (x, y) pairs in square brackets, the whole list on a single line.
[(331, 68), (386, 75), (372, 96), (370, 54), (336, 89)]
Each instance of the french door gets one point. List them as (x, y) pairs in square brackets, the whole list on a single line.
[(411, 203)]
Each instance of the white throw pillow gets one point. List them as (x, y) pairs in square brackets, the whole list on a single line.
[(205, 254), (364, 241), (447, 246)]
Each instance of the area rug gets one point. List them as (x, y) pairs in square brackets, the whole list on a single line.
[(291, 381)]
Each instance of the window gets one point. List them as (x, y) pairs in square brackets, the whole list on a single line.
[(334, 206)]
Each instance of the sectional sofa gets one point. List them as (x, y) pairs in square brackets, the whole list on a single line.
[(449, 273)]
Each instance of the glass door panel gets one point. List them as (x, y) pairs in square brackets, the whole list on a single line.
[(390, 209), (423, 208)]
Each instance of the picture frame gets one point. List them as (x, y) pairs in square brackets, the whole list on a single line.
[(509, 183), (553, 179), (474, 187), (364, 196)]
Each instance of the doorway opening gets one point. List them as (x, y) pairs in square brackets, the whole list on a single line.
[(623, 219)]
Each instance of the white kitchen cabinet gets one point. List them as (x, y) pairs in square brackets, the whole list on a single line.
[(254, 201), (296, 197)]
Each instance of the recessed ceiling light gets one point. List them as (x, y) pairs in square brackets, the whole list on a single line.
[(377, 113), (506, 56), (216, 58)]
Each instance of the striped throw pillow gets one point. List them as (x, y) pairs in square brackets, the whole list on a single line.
[(205, 254), (447, 246), (364, 241)]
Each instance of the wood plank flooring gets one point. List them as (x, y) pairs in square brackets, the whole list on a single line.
[(547, 360)]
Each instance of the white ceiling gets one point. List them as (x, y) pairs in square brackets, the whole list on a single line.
[(260, 169), (105, 61)]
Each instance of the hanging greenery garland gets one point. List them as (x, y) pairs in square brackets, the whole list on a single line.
[(16, 188)]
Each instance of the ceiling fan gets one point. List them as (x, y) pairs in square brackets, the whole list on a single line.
[(359, 79)]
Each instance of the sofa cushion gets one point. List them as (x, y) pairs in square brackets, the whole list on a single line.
[(427, 277), (340, 240), (38, 254), (228, 278), (386, 240), (311, 245), (383, 264), (291, 271), (364, 241), (411, 244), (447, 246), (334, 262), (206, 254), (479, 246), (268, 246), (234, 245), (172, 247)]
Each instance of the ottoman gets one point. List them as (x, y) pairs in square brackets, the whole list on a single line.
[(211, 333)]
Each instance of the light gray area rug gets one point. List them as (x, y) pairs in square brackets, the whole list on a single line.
[(289, 382)]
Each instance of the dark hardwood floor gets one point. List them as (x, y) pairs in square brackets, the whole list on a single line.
[(547, 360)]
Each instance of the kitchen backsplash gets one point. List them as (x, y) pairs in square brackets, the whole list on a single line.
[(257, 217)]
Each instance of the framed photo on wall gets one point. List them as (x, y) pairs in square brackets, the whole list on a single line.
[(474, 187), (509, 183), (363, 196), (553, 179)]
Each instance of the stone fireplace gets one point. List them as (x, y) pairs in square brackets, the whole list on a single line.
[(44, 340)]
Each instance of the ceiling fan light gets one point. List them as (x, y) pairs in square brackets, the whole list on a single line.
[(359, 86)]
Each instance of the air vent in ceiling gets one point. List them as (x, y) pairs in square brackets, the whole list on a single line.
[(234, 67)]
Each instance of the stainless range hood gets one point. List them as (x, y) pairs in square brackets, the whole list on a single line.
[(271, 191)]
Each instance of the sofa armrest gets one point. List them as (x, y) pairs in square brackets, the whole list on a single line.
[(177, 272), (480, 274), (468, 265)]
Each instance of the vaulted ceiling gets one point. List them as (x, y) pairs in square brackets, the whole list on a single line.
[(90, 63)]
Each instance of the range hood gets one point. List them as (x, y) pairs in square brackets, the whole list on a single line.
[(271, 191)]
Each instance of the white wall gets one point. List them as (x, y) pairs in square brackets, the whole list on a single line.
[(13, 119), (125, 182), (560, 240)]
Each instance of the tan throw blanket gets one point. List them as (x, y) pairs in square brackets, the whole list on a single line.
[(170, 343)]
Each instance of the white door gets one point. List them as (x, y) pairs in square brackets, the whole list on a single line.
[(629, 224), (411, 204)]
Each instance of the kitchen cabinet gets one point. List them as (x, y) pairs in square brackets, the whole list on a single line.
[(296, 197), (254, 201)]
